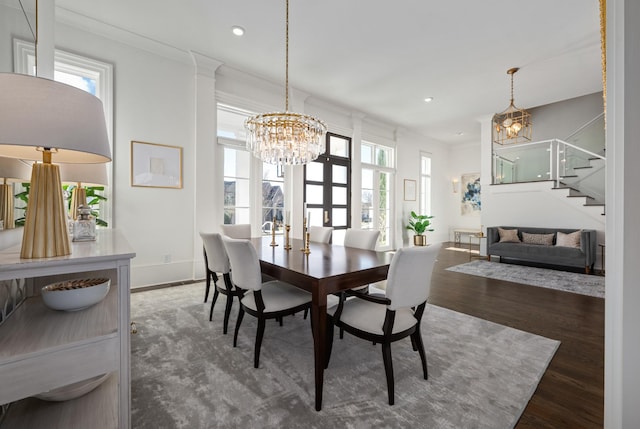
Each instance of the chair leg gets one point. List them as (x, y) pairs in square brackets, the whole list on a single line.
[(227, 312), (413, 344), (388, 370), (259, 336), (238, 323), (416, 338), (306, 313), (206, 291), (341, 333), (213, 302)]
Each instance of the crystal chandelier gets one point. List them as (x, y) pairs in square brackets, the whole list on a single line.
[(285, 138), (513, 125)]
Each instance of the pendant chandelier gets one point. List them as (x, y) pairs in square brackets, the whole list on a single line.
[(286, 138), (513, 125)]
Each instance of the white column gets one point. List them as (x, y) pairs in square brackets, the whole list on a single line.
[(622, 300), (207, 162)]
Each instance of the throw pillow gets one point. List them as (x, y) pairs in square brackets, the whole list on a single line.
[(568, 240), (508, 235), (542, 239)]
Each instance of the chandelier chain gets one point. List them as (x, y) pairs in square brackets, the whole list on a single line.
[(286, 65)]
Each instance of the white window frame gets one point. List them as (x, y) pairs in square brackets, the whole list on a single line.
[(255, 173), (377, 170), (102, 73)]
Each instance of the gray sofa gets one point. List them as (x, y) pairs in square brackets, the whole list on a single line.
[(584, 257)]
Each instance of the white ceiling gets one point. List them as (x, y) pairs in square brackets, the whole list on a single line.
[(382, 58)]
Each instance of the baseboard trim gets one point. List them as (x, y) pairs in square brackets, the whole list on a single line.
[(165, 285)]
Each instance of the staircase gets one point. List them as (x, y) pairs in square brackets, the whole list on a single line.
[(585, 183)]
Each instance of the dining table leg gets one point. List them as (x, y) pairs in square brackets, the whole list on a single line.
[(319, 326)]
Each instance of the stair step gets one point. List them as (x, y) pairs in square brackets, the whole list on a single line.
[(582, 168), (581, 196)]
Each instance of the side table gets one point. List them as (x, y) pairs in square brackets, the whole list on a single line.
[(602, 249), (480, 236)]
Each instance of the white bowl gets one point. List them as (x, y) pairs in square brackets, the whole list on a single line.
[(72, 391), (74, 295)]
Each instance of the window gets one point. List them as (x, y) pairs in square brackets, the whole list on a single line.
[(425, 184), (245, 177), (377, 190), (90, 75)]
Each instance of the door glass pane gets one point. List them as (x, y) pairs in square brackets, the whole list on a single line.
[(339, 217), (367, 218), (382, 157), (316, 216), (339, 195), (315, 172), (339, 146), (339, 173), (315, 194)]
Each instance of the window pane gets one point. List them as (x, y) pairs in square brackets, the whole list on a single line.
[(270, 172), (365, 153), (315, 172), (272, 195), (339, 195), (339, 173), (382, 157), (367, 179), (231, 123), (315, 194), (339, 146), (426, 165), (367, 218), (339, 217)]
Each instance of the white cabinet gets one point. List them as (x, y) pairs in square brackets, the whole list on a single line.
[(42, 349)]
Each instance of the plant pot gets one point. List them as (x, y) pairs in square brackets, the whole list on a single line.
[(419, 240)]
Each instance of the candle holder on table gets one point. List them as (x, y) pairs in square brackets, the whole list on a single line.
[(273, 233), (287, 244)]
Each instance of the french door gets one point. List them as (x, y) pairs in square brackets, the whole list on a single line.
[(327, 187)]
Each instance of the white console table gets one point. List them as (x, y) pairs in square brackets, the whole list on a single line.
[(42, 349)]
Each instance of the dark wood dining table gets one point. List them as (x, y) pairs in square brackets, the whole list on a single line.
[(325, 270)]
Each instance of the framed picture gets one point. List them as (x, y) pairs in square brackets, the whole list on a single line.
[(409, 190), (156, 165), (470, 204)]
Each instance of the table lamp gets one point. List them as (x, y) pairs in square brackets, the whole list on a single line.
[(82, 175), (41, 119), (11, 170)]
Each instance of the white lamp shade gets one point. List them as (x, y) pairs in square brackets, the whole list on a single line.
[(37, 112), (14, 169), (87, 174)]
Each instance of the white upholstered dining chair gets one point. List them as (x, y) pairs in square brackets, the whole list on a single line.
[(270, 300), (217, 261), (320, 234), (361, 239), (397, 315), (238, 230)]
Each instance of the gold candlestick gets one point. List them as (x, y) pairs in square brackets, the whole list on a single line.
[(304, 234), (306, 243), (287, 245), (273, 233)]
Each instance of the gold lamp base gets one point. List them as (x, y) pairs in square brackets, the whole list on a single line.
[(78, 198), (45, 230)]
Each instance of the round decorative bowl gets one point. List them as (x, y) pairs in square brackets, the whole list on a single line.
[(74, 295), (74, 390)]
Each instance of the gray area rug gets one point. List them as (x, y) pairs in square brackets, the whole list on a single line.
[(186, 374), (582, 284)]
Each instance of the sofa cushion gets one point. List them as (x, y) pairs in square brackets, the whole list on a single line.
[(568, 240), (508, 235), (541, 239)]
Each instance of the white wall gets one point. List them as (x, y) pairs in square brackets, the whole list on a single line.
[(463, 158)]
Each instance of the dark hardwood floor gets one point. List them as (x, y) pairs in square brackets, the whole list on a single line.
[(571, 392)]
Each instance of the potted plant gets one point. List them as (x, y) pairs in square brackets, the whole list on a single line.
[(419, 224)]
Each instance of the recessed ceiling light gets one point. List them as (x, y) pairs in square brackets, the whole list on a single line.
[(428, 99), (237, 30)]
